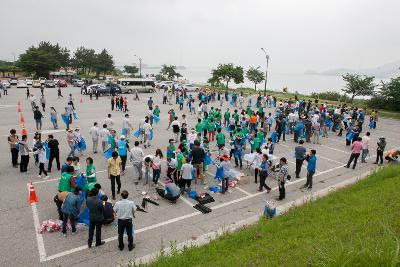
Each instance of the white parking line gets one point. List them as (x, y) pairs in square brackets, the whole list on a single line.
[(39, 237), (346, 152)]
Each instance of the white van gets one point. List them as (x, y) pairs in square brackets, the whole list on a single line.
[(130, 85)]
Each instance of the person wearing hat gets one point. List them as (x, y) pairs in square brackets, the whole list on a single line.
[(123, 147), (71, 142), (379, 150)]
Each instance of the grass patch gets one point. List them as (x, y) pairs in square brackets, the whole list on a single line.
[(357, 226)]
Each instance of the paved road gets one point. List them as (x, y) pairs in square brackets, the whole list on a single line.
[(163, 224)]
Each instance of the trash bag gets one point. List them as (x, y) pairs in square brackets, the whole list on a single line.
[(84, 216), (83, 144), (274, 137), (349, 136), (156, 119), (219, 174), (123, 131), (65, 120), (194, 174), (137, 133), (75, 116), (207, 160), (151, 135), (80, 181), (192, 194), (46, 149), (108, 153)]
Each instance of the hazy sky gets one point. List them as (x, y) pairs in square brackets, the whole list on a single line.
[(299, 35)]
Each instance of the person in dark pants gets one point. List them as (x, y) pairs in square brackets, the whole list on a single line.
[(356, 148), (379, 150), (299, 153), (13, 142), (311, 168), (24, 152), (70, 210), (114, 172), (264, 167), (54, 152), (108, 213), (125, 210), (283, 173), (96, 217), (123, 147)]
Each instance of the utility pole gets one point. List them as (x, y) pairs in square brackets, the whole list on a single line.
[(266, 71), (140, 65)]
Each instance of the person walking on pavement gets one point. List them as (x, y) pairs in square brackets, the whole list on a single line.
[(365, 149), (299, 153), (43, 103), (13, 141), (24, 152), (125, 211), (94, 132), (70, 210), (123, 147), (283, 173), (53, 146), (356, 148), (127, 127), (137, 159), (114, 172), (109, 122), (37, 115), (311, 168), (96, 217), (103, 134)]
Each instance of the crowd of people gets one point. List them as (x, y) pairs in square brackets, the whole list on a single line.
[(221, 136)]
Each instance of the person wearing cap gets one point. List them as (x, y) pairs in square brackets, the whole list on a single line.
[(123, 147), (379, 150), (71, 142)]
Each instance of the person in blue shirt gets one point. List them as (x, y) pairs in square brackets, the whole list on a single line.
[(311, 168), (238, 145), (70, 209), (123, 147)]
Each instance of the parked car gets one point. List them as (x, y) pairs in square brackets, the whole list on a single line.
[(36, 84), (49, 84), (62, 83), (189, 87), (5, 84), (29, 82), (78, 83), (165, 84), (22, 84), (13, 81), (42, 80)]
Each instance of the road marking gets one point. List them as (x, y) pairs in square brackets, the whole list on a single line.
[(243, 191), (39, 237), (177, 219), (319, 156), (346, 152)]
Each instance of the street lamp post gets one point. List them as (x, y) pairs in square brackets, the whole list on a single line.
[(266, 71), (140, 65)]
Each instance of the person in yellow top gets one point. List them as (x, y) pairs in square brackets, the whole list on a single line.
[(114, 172)]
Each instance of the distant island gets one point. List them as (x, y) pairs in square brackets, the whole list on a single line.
[(384, 71)]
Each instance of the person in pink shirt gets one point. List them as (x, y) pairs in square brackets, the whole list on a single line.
[(356, 149), (365, 151)]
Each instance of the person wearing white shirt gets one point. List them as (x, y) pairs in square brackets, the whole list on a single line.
[(94, 132), (127, 126), (258, 157), (125, 211), (176, 125), (137, 159), (146, 133), (192, 137), (103, 134), (186, 177), (365, 146), (109, 122)]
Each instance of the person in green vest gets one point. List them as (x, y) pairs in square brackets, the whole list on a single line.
[(211, 112), (236, 116), (256, 143), (249, 111), (260, 110), (111, 139), (220, 138), (64, 185), (171, 149), (211, 130), (180, 158), (227, 116), (217, 115), (156, 111), (90, 171), (205, 126), (199, 127), (260, 135)]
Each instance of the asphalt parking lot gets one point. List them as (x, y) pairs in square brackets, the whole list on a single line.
[(163, 224)]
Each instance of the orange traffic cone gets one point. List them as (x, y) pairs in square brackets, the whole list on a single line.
[(22, 120), (19, 107), (19, 103), (24, 131), (81, 100), (33, 198)]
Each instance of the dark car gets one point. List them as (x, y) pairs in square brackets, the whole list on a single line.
[(112, 89), (49, 84)]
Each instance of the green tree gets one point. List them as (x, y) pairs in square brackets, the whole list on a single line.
[(131, 70), (255, 75), (84, 59), (104, 63), (391, 93), (169, 72), (226, 73), (357, 85), (43, 59)]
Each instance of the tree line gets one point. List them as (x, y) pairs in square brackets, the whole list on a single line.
[(45, 57)]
